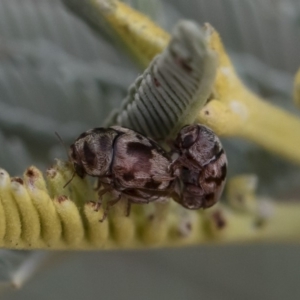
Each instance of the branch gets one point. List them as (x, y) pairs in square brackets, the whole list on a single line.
[(40, 215)]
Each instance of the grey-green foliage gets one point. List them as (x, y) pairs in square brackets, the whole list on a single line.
[(55, 75)]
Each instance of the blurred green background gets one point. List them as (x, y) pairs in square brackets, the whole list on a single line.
[(56, 74)]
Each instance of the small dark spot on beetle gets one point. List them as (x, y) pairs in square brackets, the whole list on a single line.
[(139, 137), (17, 179), (188, 141), (223, 172), (190, 177), (89, 155), (219, 219), (206, 112), (152, 184), (217, 180), (216, 150), (209, 196), (1, 173), (209, 200), (105, 143), (79, 170), (136, 149), (128, 176)]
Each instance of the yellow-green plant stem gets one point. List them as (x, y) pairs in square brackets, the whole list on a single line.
[(235, 110), (70, 225), (142, 38)]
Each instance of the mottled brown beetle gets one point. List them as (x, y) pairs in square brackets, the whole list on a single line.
[(126, 163), (200, 166)]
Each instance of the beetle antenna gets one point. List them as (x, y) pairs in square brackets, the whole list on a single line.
[(69, 181), (65, 147), (62, 143)]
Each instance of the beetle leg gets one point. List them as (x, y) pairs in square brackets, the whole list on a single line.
[(100, 195), (141, 200), (98, 186), (108, 206), (102, 181)]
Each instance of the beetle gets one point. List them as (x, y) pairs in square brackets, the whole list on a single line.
[(200, 166), (126, 163)]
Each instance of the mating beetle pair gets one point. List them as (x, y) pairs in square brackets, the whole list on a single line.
[(130, 165)]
